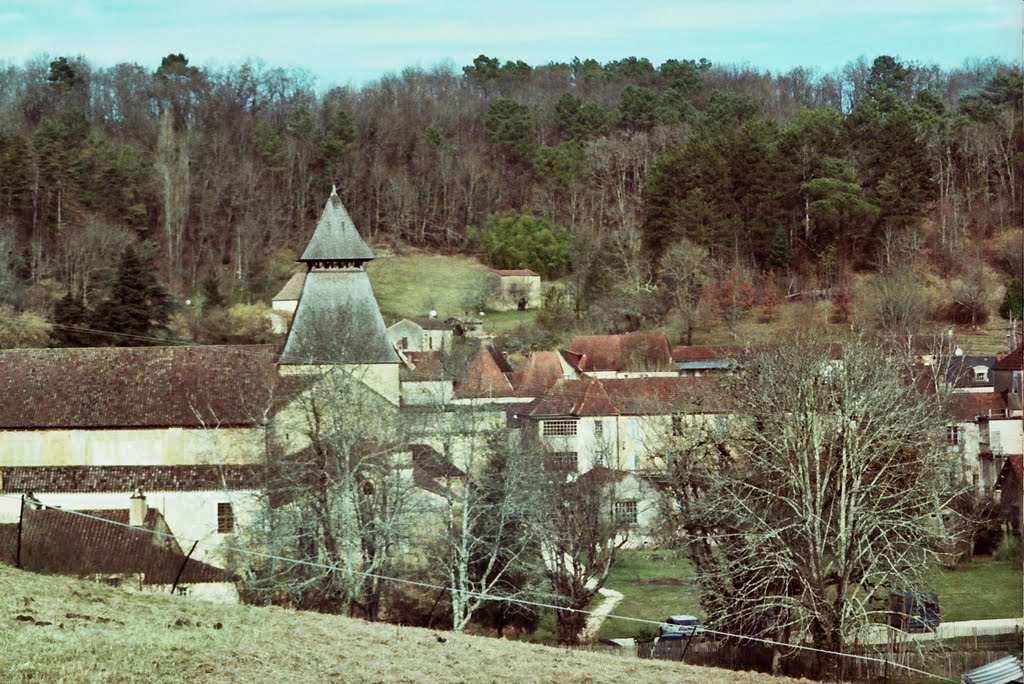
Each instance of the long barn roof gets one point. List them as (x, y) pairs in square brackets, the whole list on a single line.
[(115, 387)]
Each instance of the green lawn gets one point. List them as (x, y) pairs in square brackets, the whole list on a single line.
[(411, 285), (654, 584), (980, 590)]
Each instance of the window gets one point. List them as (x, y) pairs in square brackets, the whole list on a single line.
[(565, 428), (598, 429), (403, 343), (562, 462), (225, 518), (980, 374), (624, 513), (430, 342), (677, 426), (954, 436)]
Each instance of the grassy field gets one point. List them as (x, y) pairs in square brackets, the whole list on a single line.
[(60, 629), (980, 590), (654, 584), (413, 284)]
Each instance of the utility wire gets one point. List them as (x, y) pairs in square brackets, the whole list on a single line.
[(465, 592)]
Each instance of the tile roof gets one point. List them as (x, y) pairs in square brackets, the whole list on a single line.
[(335, 237), (543, 370), (337, 321), (428, 323), (53, 479), (427, 367), (705, 352), (623, 352), (514, 272), (291, 290), (116, 387), (1012, 361), (630, 396), (967, 406), (1014, 465), (55, 541), (485, 377)]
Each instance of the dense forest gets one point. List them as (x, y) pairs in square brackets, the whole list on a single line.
[(645, 175)]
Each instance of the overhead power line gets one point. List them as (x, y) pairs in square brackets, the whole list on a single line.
[(468, 593)]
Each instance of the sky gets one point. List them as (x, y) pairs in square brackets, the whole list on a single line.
[(354, 42)]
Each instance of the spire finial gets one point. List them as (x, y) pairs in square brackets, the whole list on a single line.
[(334, 190)]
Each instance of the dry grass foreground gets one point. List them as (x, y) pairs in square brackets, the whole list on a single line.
[(63, 629)]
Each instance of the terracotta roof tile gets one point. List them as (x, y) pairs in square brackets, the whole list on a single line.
[(485, 377), (705, 352), (40, 479), (631, 396), (427, 367), (1012, 361), (1014, 464), (543, 370), (514, 272), (139, 387), (623, 352), (969, 405)]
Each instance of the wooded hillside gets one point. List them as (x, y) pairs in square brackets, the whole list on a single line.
[(223, 172)]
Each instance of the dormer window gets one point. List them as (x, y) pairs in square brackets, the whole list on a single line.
[(981, 375)]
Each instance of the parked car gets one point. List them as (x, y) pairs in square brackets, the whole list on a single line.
[(680, 627), (914, 611)]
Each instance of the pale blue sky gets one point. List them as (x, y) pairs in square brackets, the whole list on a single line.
[(355, 41)]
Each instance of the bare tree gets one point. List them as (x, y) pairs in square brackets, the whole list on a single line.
[(338, 494), (829, 491), (487, 538), (685, 269), (582, 539)]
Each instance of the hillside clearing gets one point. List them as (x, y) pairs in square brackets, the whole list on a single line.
[(62, 629), (411, 285)]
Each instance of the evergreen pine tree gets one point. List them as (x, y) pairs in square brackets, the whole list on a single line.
[(70, 313), (1013, 300), (781, 255), (138, 305)]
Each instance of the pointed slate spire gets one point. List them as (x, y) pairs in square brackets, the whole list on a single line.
[(337, 320), (335, 242)]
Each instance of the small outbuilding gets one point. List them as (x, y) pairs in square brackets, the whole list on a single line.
[(513, 289), (421, 335)]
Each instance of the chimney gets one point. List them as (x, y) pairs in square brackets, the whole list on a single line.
[(137, 508)]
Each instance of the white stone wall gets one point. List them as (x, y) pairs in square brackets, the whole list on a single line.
[(145, 447)]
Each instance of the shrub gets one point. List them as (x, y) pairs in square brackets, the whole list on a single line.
[(515, 240)]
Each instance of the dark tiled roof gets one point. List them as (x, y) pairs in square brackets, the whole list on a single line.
[(1011, 362), (428, 323), (1014, 465), (960, 370), (514, 272), (485, 377), (338, 322), (54, 541), (336, 237), (110, 387), (623, 353), (51, 479), (970, 405), (292, 289)]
